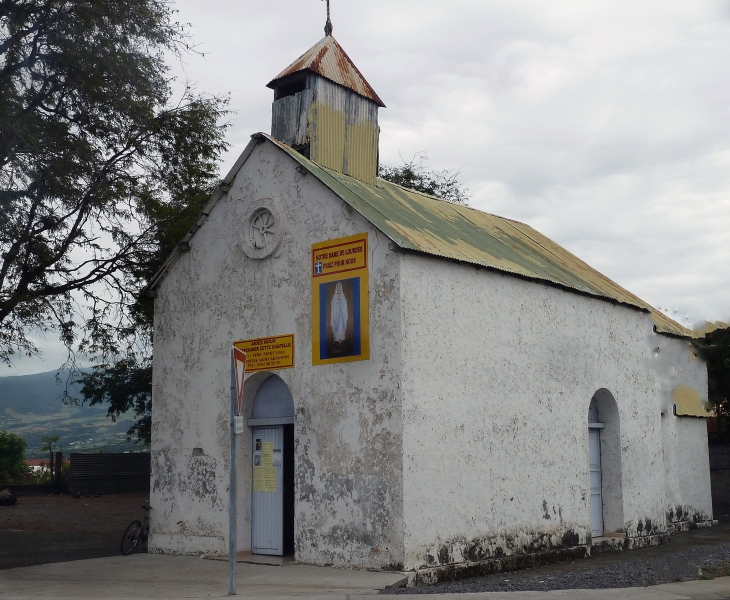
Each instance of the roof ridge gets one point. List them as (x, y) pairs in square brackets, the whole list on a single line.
[(328, 59), (464, 206)]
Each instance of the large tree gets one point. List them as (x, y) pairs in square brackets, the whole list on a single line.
[(102, 162)]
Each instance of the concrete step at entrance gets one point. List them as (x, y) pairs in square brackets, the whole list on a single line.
[(256, 559)]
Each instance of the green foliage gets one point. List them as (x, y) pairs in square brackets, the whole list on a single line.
[(102, 170), (49, 441), (12, 454), (125, 385), (100, 166), (416, 176), (715, 349)]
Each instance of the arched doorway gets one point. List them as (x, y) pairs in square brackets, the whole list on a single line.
[(604, 464), (272, 502)]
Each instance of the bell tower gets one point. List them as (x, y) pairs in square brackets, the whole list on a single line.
[(324, 109)]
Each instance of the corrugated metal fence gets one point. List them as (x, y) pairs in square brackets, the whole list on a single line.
[(720, 478), (719, 456), (109, 473)]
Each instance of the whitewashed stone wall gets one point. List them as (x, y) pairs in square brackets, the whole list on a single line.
[(498, 374), (464, 437), (348, 491)]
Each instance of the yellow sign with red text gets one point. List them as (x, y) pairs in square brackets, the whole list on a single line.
[(340, 256), (268, 353)]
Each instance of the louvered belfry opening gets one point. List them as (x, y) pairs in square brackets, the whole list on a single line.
[(326, 110)]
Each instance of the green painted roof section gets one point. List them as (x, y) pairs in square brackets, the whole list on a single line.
[(419, 222)]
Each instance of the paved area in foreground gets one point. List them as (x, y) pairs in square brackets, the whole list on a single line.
[(144, 576), (156, 576)]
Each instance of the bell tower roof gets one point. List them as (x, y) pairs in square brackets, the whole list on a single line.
[(327, 59)]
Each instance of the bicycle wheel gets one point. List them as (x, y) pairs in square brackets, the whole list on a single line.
[(131, 537)]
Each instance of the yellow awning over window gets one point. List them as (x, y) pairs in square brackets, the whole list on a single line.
[(687, 403)]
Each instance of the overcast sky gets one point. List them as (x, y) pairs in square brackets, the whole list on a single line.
[(605, 125)]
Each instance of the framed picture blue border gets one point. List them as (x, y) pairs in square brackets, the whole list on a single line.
[(356, 330)]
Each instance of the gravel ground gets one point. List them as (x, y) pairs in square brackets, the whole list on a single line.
[(581, 575)]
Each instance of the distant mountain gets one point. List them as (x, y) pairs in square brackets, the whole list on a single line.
[(38, 394), (31, 406)]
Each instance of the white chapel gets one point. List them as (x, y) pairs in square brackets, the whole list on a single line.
[(430, 388)]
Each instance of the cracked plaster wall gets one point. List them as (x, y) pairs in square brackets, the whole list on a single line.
[(498, 374), (348, 494), (686, 458)]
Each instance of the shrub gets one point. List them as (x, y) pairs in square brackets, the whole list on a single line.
[(12, 454)]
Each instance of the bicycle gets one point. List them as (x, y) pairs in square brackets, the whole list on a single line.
[(137, 532)]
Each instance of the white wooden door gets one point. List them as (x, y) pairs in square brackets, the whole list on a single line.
[(267, 507), (594, 467)]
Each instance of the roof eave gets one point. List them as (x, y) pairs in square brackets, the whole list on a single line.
[(689, 335), (312, 60)]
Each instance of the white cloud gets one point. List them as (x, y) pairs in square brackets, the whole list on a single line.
[(604, 124), (53, 356)]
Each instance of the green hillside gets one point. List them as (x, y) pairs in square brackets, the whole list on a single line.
[(31, 407)]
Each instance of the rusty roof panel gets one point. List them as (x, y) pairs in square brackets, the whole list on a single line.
[(419, 222), (328, 59)]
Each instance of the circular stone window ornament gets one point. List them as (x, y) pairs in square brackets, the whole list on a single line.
[(264, 225)]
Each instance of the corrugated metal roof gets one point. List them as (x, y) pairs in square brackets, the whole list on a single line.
[(422, 223), (328, 59)]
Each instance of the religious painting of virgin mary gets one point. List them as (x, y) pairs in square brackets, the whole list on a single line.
[(340, 318)]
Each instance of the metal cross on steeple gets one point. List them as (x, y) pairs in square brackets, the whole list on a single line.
[(328, 24)]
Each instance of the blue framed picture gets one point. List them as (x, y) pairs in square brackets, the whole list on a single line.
[(340, 334)]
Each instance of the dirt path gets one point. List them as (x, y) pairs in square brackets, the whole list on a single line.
[(45, 529)]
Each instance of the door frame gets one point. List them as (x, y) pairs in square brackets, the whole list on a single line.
[(267, 505), (286, 477), (596, 427)]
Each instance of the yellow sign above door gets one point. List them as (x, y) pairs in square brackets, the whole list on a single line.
[(268, 353)]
